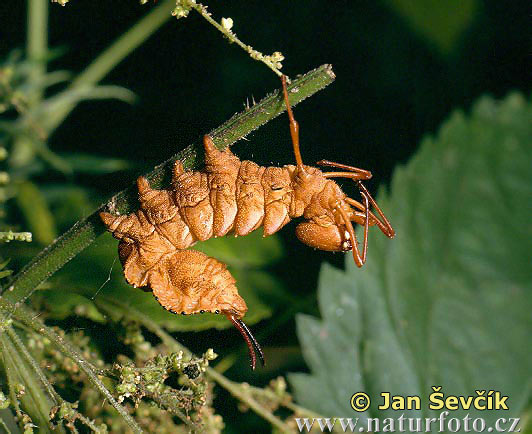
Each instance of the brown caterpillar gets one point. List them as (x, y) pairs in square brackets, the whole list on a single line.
[(237, 197)]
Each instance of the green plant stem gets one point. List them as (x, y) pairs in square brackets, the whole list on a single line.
[(36, 52), (85, 231), (113, 55), (89, 423), (27, 317), (55, 398), (8, 366), (37, 43), (18, 372), (202, 10), (4, 426), (240, 391)]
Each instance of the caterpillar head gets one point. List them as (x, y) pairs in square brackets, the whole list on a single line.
[(332, 238), (330, 216)]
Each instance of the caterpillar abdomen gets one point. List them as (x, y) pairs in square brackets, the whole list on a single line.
[(189, 282), (184, 281)]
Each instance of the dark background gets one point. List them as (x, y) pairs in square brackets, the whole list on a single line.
[(394, 85)]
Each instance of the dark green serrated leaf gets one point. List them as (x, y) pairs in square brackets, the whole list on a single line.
[(448, 301), (318, 340)]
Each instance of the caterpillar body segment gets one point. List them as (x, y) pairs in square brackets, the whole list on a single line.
[(235, 197)]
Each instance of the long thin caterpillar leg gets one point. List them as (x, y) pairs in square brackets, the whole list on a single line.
[(386, 227), (366, 227), (251, 342), (389, 232), (359, 260), (364, 219), (294, 128), (328, 163), (351, 175), (373, 218)]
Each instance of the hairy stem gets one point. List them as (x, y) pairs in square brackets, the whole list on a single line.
[(54, 397), (35, 402), (5, 427), (85, 231)]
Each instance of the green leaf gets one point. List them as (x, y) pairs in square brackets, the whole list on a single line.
[(333, 377), (5, 273), (252, 250), (441, 22), (62, 303), (448, 301)]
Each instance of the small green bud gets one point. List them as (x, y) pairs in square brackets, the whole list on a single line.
[(5, 324), (180, 12), (121, 388), (154, 387), (131, 388), (66, 411), (279, 386)]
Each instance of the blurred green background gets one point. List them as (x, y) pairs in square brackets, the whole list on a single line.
[(401, 68)]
